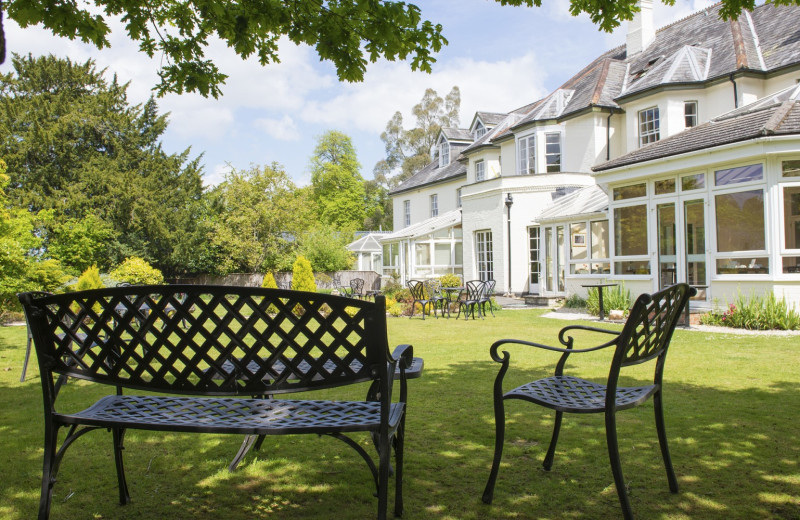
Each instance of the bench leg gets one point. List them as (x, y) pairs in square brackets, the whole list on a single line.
[(383, 476), (247, 443), (119, 438), (399, 439)]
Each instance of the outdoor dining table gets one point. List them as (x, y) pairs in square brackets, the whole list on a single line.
[(599, 287), (451, 294)]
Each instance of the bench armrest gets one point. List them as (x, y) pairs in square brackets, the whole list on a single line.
[(404, 354)]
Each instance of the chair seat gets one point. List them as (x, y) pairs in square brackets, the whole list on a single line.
[(575, 395)]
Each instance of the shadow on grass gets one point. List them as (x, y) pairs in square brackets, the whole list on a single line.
[(735, 452)]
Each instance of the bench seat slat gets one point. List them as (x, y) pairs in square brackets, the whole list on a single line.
[(232, 415)]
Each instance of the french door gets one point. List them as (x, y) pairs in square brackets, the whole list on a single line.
[(682, 243)]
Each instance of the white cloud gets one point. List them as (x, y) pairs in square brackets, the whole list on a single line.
[(217, 175), (388, 87), (283, 129)]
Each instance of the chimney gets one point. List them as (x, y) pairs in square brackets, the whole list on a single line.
[(641, 32)]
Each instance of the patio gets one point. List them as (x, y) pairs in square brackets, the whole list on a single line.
[(730, 402)]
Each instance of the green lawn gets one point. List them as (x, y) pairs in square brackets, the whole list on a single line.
[(732, 405)]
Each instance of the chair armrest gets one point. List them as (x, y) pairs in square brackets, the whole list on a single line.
[(569, 349), (404, 354), (582, 327)]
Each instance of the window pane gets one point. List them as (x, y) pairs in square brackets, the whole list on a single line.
[(630, 192), (577, 242), (740, 221), (690, 113), (630, 230), (753, 172), (648, 126), (442, 254), (791, 217), (693, 182), (791, 168), (743, 265), (457, 232), (600, 239), (459, 254), (665, 186), (636, 267), (601, 268), (553, 152), (791, 264), (422, 254)]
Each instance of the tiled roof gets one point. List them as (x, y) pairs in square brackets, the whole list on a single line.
[(491, 118), (368, 242), (451, 218), (778, 114), (457, 134), (590, 199), (432, 173)]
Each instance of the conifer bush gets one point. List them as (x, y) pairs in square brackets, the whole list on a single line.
[(303, 276), (137, 271), (269, 281), (90, 279)]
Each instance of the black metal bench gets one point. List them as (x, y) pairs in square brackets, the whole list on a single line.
[(239, 347)]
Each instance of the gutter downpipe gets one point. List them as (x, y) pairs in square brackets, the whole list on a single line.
[(735, 91), (608, 136)]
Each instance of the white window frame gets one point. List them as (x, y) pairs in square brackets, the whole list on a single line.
[(612, 238), (484, 255), (480, 130), (435, 205), (526, 156), (785, 251), (647, 136), (444, 153), (458, 198), (589, 260), (480, 170), (406, 213), (547, 155), (686, 116)]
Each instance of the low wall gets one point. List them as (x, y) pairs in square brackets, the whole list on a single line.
[(372, 280)]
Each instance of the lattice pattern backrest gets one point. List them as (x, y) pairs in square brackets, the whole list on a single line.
[(475, 289), (417, 289), (210, 339), (651, 323)]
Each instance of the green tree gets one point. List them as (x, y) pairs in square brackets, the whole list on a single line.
[(303, 276), (75, 146), (89, 279), (407, 151), (348, 33), (255, 220), (136, 271), (79, 243), (337, 185), (269, 281), (326, 248)]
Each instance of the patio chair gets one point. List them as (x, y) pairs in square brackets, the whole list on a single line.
[(357, 288), (419, 295), (486, 297), (471, 299), (438, 299), (645, 337)]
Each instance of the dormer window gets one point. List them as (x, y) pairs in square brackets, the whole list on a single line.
[(444, 153), (480, 130)]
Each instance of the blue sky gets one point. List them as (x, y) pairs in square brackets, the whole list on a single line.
[(500, 57)]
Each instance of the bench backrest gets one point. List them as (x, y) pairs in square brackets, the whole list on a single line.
[(210, 340)]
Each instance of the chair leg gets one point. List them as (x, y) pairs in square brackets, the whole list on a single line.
[(383, 476), (119, 437), (399, 439), (616, 467), (499, 439), (49, 469), (662, 440), (551, 451)]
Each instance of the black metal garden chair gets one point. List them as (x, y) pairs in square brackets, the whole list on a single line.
[(486, 296), (357, 288), (471, 299), (645, 337), (437, 298), (419, 295), (34, 294)]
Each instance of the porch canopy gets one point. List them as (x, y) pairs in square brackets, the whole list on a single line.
[(429, 248)]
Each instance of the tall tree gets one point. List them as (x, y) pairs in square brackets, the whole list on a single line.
[(345, 32), (337, 185), (257, 218), (76, 147), (409, 150)]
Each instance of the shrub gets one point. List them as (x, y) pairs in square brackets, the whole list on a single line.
[(136, 271), (393, 286), (303, 276), (90, 279), (269, 281), (450, 280), (616, 297), (576, 302), (756, 313)]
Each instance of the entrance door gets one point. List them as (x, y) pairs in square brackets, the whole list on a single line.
[(533, 247), (682, 256)]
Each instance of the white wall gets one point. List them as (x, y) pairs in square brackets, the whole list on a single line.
[(421, 202)]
